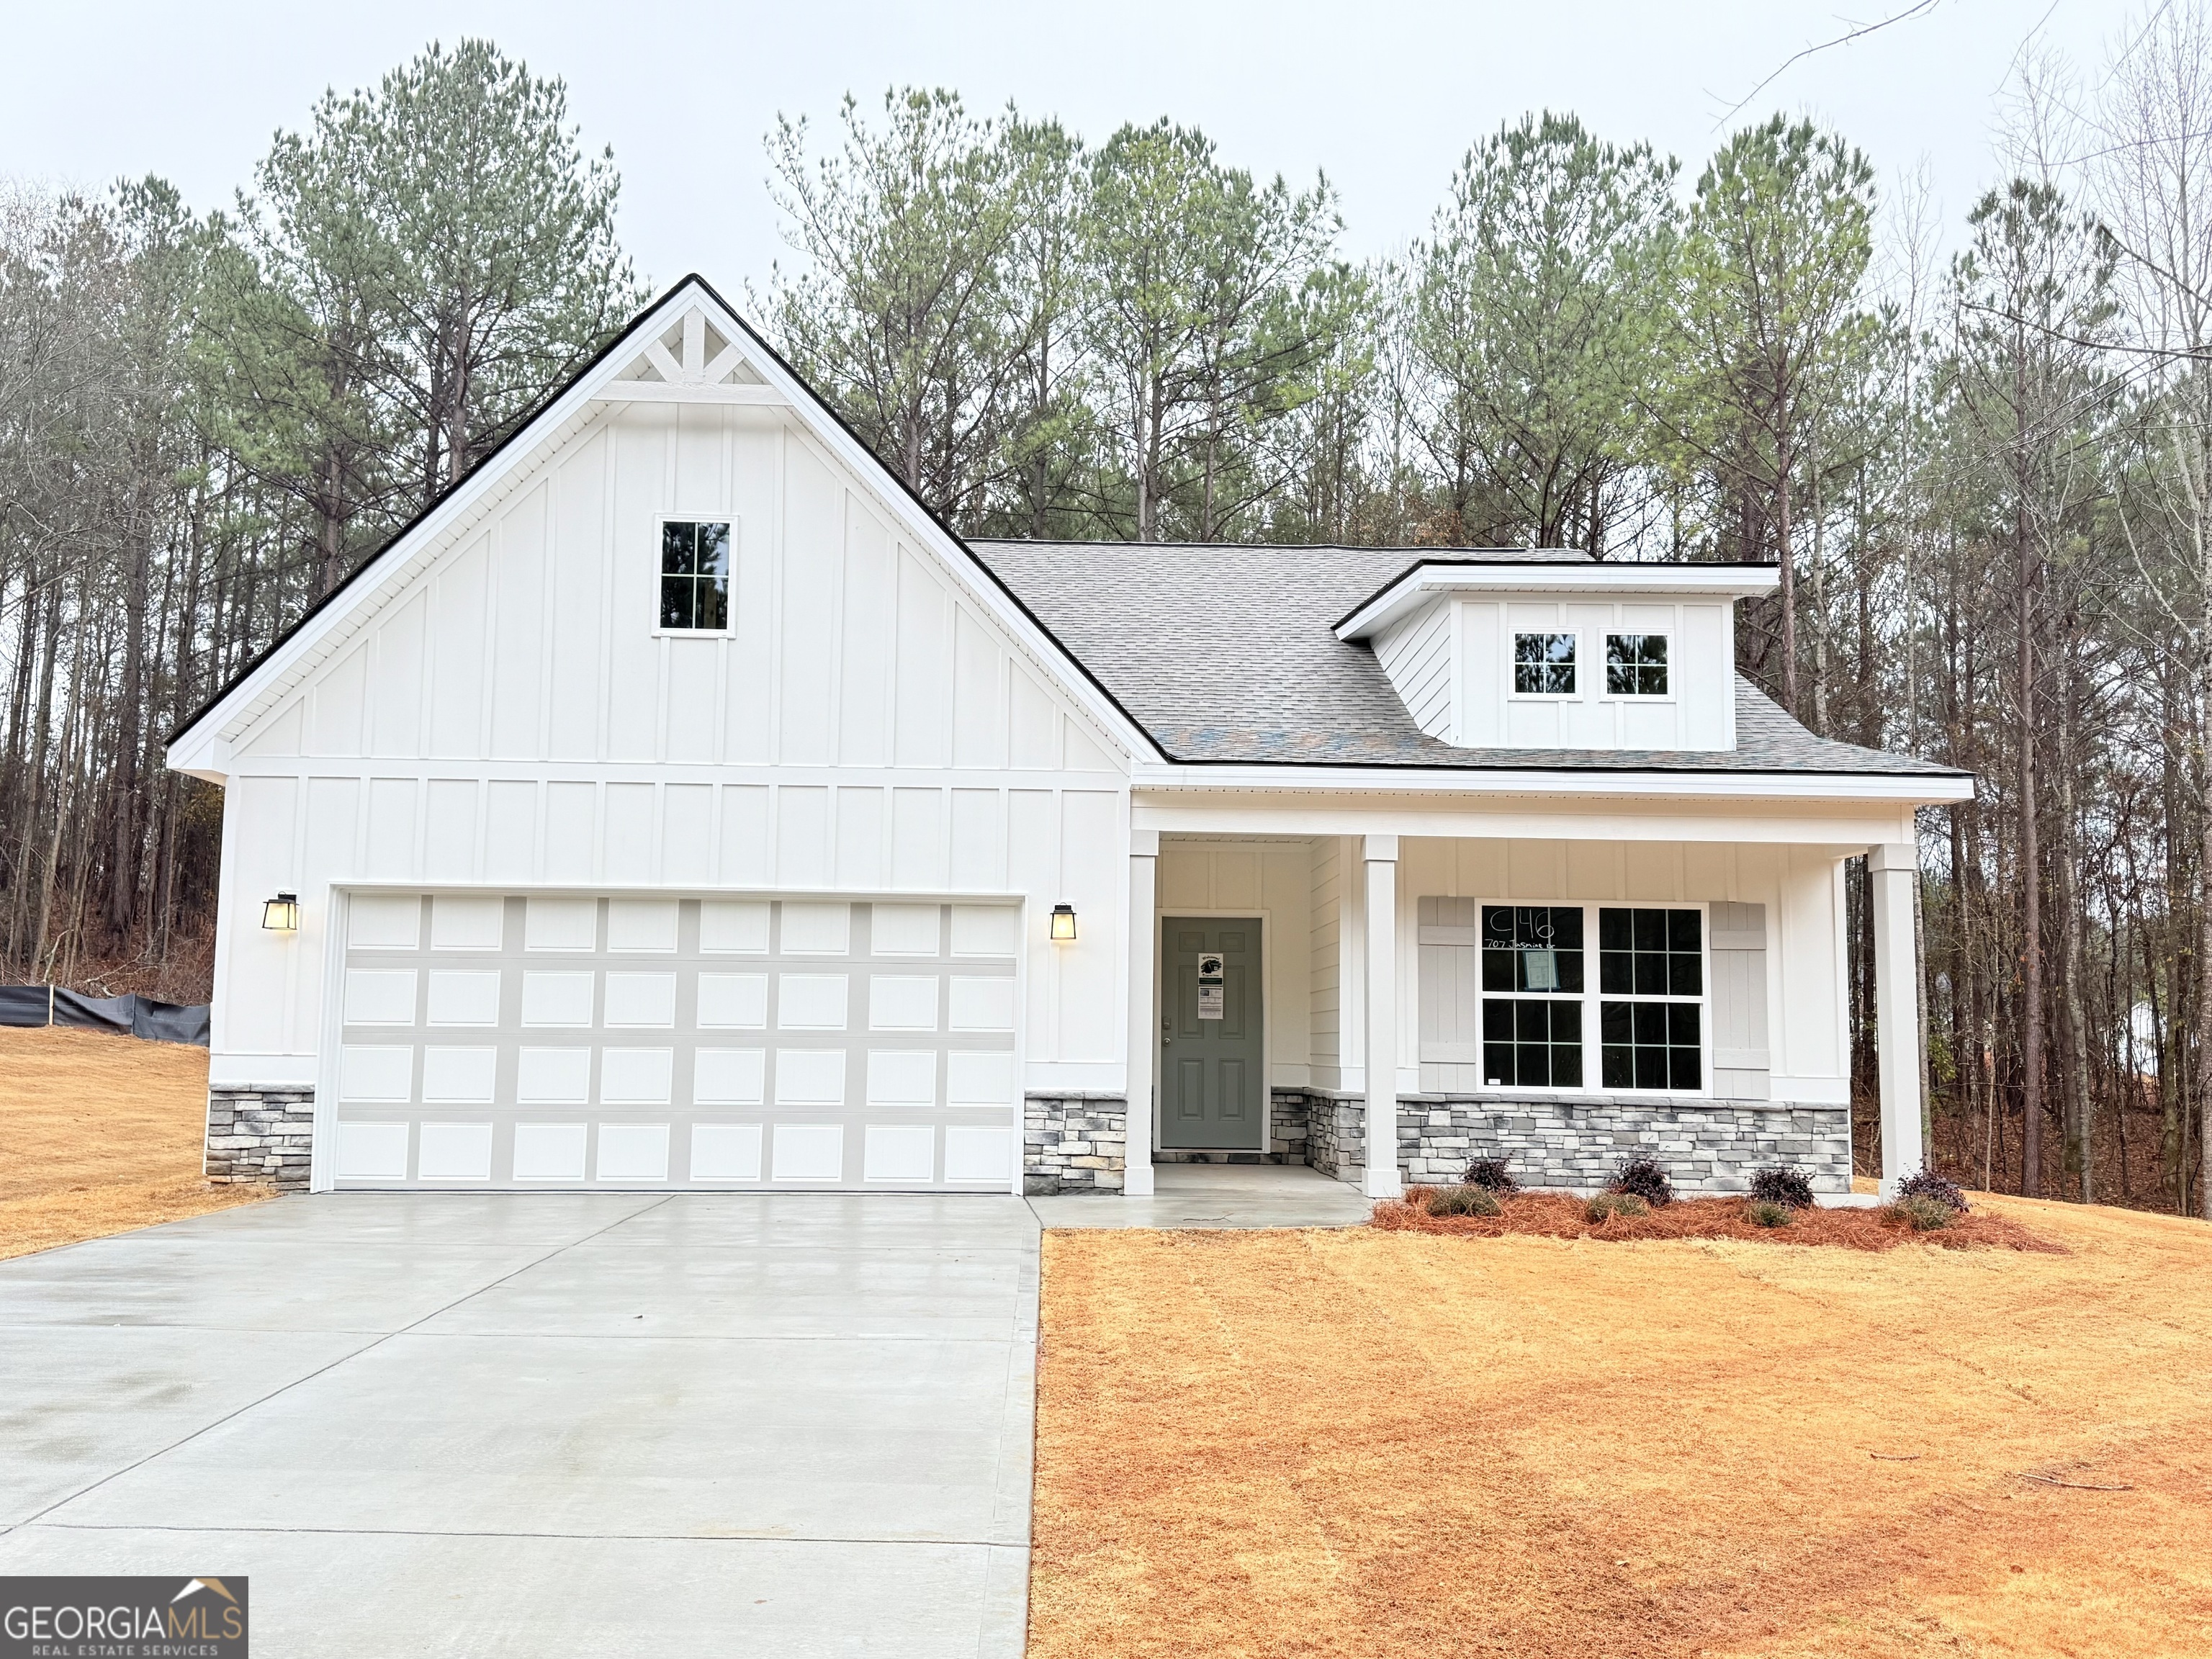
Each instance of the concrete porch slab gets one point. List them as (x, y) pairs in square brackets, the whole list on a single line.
[(1227, 1196)]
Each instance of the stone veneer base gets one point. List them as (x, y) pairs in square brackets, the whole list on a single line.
[(1075, 1143), (261, 1133), (1706, 1146)]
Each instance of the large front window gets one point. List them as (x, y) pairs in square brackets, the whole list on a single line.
[(1646, 1012)]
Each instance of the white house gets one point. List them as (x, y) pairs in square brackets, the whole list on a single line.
[(677, 803)]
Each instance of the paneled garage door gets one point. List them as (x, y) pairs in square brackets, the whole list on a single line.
[(573, 1040)]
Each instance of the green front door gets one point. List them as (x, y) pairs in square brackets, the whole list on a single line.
[(1213, 1083)]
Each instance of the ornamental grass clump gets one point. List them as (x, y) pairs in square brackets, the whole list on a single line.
[(1922, 1213), (1767, 1212), (1926, 1183), (1780, 1184), (1606, 1205), (1492, 1174), (1642, 1177), (1467, 1200)]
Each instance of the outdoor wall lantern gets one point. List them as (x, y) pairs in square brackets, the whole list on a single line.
[(1063, 923), (282, 914)]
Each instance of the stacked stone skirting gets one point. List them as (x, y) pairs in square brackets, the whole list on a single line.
[(1705, 1146), (1075, 1143), (263, 1134), (1290, 1125), (1336, 1133)]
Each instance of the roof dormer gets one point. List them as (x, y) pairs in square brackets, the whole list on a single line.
[(1563, 653)]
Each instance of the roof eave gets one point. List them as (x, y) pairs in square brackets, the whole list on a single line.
[(1429, 578), (1598, 780)]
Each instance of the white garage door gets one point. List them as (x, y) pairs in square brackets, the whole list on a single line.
[(539, 1041)]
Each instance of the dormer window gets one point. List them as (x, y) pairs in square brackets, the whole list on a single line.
[(1636, 665), (694, 575), (1544, 664)]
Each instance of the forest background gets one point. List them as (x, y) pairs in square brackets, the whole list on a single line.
[(1986, 478)]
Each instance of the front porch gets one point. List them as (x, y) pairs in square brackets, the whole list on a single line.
[(1384, 982)]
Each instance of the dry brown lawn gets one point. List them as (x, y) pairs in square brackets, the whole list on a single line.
[(99, 1135), (1375, 1444)]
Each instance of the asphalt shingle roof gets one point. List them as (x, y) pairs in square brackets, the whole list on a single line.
[(1228, 654)]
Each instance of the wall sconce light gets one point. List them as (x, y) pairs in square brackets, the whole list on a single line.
[(1063, 923), (282, 914)]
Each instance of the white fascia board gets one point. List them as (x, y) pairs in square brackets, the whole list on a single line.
[(1423, 581), (1918, 789)]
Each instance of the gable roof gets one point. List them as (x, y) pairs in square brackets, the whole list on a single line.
[(564, 402), (1229, 655), (1215, 654)]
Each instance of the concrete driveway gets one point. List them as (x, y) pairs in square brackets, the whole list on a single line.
[(555, 1424)]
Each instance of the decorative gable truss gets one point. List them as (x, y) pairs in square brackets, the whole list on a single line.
[(691, 361)]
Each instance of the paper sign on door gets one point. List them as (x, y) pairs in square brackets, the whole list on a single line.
[(1209, 985)]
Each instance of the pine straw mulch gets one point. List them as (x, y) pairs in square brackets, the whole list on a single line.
[(1556, 1215)]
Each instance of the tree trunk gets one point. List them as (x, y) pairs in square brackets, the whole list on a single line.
[(2031, 884), (2071, 923), (1785, 563)]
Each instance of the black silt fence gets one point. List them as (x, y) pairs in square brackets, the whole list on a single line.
[(129, 1015)]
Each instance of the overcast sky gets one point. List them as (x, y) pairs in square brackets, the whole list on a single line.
[(1384, 95)]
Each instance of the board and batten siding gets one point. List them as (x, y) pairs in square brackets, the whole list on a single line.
[(511, 715), (1700, 712)]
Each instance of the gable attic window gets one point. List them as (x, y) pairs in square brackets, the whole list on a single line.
[(1636, 665), (694, 575), (1544, 664)]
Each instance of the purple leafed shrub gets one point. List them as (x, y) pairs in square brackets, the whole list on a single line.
[(1492, 1174), (1928, 1184), (1642, 1177), (1782, 1185)]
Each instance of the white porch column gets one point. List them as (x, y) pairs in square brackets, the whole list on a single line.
[(1380, 858), (1143, 1018), (1892, 870)]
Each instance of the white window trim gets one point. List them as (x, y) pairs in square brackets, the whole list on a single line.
[(1591, 998), (1637, 698), (1512, 644), (661, 522)]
